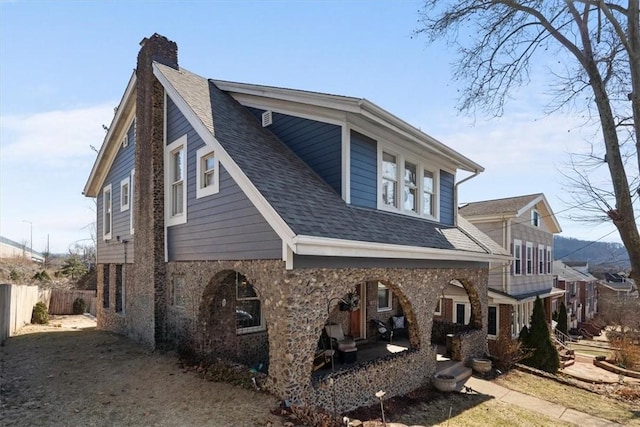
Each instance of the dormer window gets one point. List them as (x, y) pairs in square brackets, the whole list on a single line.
[(389, 179), (407, 185)]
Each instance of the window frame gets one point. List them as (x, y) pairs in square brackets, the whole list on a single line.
[(490, 335), (541, 259), (107, 189), (549, 260), (179, 144), (517, 257), (125, 183), (251, 329), (422, 165), (131, 210), (202, 190), (535, 218), (388, 307), (529, 265), (438, 310), (389, 178)]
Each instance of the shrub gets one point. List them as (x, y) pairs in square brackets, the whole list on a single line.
[(544, 355), (42, 276), (14, 275), (508, 352), (40, 315), (562, 319), (79, 306)]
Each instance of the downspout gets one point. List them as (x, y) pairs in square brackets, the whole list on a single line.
[(506, 233), (455, 192)]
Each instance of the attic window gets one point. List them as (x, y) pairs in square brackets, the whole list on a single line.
[(267, 118), (125, 141), (535, 218)]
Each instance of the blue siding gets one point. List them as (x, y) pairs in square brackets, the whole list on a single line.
[(318, 144), (123, 164), (221, 226), (364, 171), (447, 200)]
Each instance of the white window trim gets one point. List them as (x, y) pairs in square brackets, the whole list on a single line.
[(438, 311), (497, 322), (535, 214), (201, 190), (528, 246), (125, 207), (467, 311), (517, 242), (179, 144), (549, 260), (131, 195), (107, 236), (542, 259), (251, 329), (421, 165), (390, 306)]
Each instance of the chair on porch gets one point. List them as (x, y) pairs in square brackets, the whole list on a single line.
[(399, 326), (347, 350)]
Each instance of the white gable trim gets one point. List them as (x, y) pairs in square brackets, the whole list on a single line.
[(549, 215), (324, 246), (266, 210)]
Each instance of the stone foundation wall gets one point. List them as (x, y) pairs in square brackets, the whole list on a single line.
[(107, 318), (295, 308)]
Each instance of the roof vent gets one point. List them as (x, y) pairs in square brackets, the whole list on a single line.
[(125, 141), (267, 118)]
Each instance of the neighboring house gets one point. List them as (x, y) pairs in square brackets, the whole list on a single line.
[(524, 226), (581, 298), (617, 285), (11, 249), (233, 219)]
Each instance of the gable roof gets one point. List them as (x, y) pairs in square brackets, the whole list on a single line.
[(510, 207), (305, 212), (570, 274)]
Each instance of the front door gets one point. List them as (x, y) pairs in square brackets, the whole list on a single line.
[(460, 314)]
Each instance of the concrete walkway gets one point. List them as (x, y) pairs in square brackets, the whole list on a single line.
[(552, 410)]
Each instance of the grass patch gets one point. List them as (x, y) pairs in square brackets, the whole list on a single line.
[(572, 397)]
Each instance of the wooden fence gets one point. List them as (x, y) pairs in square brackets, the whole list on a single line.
[(61, 301)]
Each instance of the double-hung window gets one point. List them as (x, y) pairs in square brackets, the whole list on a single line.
[(529, 258), (389, 179), (176, 181), (549, 260), (517, 257), (125, 194), (535, 218), (541, 260), (107, 212), (384, 298), (249, 315), (407, 185), (207, 172)]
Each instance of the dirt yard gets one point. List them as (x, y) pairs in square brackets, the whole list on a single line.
[(68, 373)]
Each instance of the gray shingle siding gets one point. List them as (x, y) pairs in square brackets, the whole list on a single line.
[(364, 171), (222, 226), (318, 144), (447, 200), (123, 164)]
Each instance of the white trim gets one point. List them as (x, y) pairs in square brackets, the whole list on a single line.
[(179, 144), (263, 324), (346, 163), (105, 235), (549, 266), (517, 242), (390, 306), (201, 190), (467, 311), (131, 201), (125, 182), (438, 311), (291, 109), (542, 260), (266, 210), (422, 164), (324, 246), (528, 246)]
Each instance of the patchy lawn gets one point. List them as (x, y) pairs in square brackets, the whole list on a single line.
[(596, 404)]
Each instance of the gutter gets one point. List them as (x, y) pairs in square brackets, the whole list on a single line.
[(455, 188)]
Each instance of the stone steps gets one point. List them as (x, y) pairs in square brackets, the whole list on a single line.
[(458, 371)]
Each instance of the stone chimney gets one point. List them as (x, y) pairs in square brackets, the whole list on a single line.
[(147, 292)]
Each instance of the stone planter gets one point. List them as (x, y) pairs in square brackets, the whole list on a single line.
[(481, 366), (444, 383)]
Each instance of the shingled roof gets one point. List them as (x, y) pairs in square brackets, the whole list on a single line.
[(508, 206), (306, 203)]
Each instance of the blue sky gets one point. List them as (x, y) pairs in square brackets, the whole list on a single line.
[(64, 66)]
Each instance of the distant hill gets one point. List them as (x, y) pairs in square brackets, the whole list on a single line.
[(599, 255)]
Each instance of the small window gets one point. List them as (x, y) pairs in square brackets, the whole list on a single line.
[(249, 316), (389, 179), (428, 199), (493, 321), (438, 310), (125, 194), (125, 141), (517, 257), (176, 182), (535, 218), (529, 258), (107, 212), (385, 302), (410, 187), (207, 172), (178, 291)]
